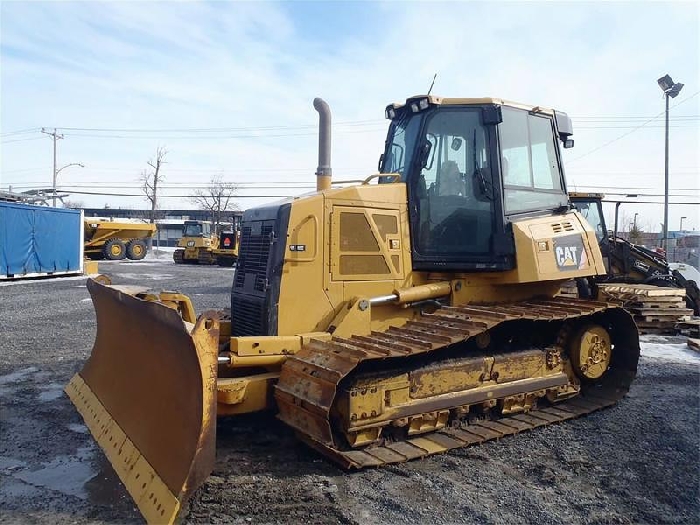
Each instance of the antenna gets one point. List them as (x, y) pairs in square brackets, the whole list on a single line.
[(433, 83)]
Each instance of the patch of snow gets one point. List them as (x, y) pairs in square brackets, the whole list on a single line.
[(141, 276), (18, 375), (669, 351), (46, 280)]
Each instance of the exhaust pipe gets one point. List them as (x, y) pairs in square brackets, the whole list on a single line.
[(323, 172)]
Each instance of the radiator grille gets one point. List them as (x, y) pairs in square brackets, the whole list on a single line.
[(247, 314), (254, 253), (249, 301)]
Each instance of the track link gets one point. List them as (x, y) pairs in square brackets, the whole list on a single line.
[(309, 381)]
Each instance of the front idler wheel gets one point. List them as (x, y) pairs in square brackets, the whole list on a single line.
[(590, 351)]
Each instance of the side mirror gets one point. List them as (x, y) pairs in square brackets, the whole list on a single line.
[(568, 143), (379, 164)]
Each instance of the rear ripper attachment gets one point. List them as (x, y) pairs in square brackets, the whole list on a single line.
[(148, 397), (459, 376)]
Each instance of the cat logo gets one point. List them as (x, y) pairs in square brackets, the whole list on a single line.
[(570, 253)]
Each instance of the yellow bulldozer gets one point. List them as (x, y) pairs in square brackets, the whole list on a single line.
[(200, 244), (404, 315)]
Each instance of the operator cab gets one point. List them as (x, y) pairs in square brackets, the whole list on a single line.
[(196, 229), (471, 166), (590, 205)]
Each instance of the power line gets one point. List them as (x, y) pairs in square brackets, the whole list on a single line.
[(631, 131), (25, 169), (635, 127), (105, 194), (223, 129), (19, 132), (376, 122), (627, 190), (20, 140), (629, 117), (218, 137)]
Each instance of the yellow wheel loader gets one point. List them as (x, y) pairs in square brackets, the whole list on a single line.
[(404, 315)]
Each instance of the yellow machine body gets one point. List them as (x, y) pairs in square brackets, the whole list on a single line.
[(196, 244), (116, 240), (200, 245), (363, 346)]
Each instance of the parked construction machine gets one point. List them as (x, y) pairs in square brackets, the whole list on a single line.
[(107, 239), (404, 315), (625, 261), (200, 244)]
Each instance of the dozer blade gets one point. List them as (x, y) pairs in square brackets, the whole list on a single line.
[(148, 395)]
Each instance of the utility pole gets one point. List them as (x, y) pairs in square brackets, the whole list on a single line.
[(55, 137)]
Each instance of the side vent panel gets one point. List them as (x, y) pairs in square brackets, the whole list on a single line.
[(368, 246)]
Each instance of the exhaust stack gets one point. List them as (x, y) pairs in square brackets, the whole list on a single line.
[(323, 172)]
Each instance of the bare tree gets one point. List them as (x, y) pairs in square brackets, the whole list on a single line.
[(75, 205), (150, 178), (217, 198)]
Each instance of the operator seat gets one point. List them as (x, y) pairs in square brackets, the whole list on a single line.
[(451, 181)]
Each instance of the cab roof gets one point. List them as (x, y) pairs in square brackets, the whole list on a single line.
[(586, 195), (448, 101)]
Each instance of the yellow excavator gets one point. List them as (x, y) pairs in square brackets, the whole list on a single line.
[(403, 315)]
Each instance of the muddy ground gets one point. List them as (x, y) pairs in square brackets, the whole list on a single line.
[(634, 463)]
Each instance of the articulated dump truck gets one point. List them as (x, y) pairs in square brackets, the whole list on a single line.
[(404, 315), (106, 239)]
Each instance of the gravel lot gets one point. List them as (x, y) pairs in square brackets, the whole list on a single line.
[(636, 462)]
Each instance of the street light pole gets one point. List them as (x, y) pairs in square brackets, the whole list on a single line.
[(55, 177), (671, 89), (665, 240)]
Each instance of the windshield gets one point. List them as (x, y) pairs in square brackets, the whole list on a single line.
[(591, 212), (400, 145), (192, 230)]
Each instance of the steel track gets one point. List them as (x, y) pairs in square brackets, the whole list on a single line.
[(309, 381)]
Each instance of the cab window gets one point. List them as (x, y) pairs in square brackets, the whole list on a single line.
[(531, 175), (192, 230), (592, 213)]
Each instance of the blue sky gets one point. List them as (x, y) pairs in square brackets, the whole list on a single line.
[(254, 68)]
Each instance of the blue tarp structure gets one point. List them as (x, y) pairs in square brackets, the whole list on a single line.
[(36, 240)]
